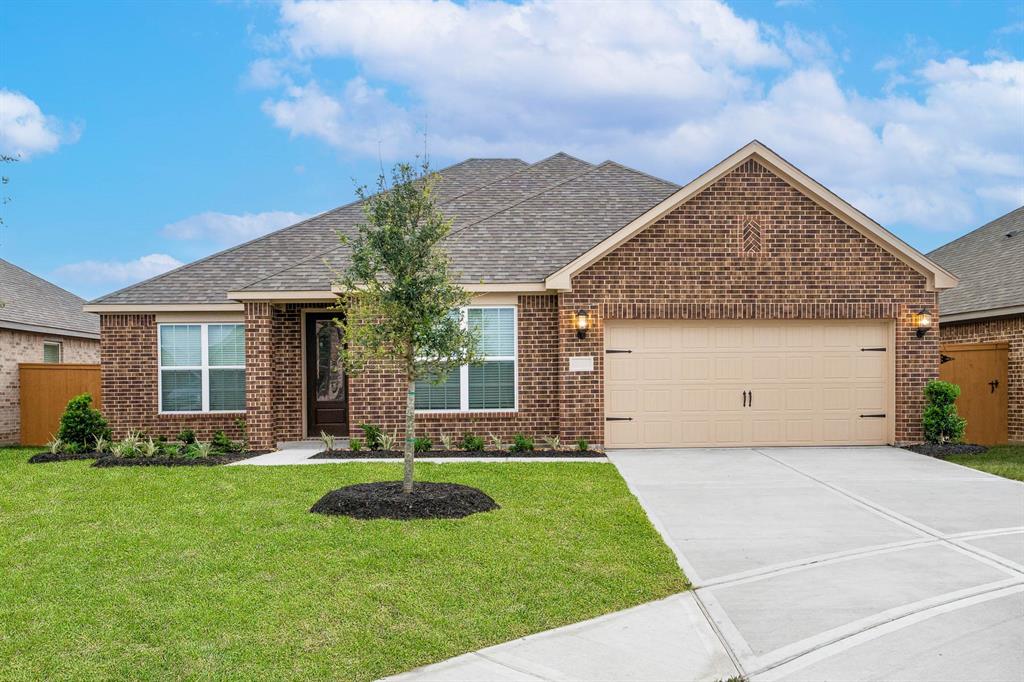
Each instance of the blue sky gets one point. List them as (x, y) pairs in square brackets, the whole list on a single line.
[(153, 134)]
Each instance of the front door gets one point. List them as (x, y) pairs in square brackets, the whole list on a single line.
[(326, 386)]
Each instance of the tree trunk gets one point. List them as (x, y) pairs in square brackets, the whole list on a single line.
[(410, 426)]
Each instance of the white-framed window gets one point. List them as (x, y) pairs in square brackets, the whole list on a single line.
[(53, 352), (491, 385), (202, 367)]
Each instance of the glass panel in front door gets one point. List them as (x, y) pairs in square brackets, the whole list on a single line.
[(330, 380)]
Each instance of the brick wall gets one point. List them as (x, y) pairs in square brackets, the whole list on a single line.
[(693, 264), (19, 346), (128, 348), (1011, 330)]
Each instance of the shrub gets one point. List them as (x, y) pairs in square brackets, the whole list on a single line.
[(202, 450), (521, 443), (327, 439), (496, 443), (373, 435), (422, 444), (447, 441), (472, 443), (244, 430), (55, 445), (149, 448), (355, 445), (221, 443), (187, 436), (582, 445), (941, 422), (129, 447), (387, 441), (553, 442), (71, 448), (81, 423), (102, 445)]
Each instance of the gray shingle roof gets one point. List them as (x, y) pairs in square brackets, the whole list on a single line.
[(990, 265), (512, 223), (32, 303), (208, 280)]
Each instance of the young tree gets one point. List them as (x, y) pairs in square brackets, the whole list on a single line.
[(402, 303)]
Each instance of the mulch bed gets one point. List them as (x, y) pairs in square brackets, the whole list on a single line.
[(385, 500), (398, 454), (945, 449), (216, 460), (44, 457)]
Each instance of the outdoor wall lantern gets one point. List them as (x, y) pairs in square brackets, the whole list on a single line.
[(582, 322), (923, 322)]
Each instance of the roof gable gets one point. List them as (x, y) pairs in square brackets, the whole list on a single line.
[(937, 277)]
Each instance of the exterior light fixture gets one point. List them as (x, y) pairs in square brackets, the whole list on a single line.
[(923, 321), (582, 322)]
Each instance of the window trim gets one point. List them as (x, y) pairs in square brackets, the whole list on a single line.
[(204, 368), (60, 350), (464, 369)]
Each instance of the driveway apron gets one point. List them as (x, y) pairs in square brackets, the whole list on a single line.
[(858, 563)]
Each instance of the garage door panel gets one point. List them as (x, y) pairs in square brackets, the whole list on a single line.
[(683, 383)]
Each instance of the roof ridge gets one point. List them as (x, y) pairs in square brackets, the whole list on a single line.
[(231, 249), (643, 173), (977, 229), (458, 196), (529, 197), (41, 279)]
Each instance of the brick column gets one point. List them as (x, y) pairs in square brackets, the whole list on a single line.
[(259, 375), (581, 408)]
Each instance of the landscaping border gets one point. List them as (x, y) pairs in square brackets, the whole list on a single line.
[(440, 454)]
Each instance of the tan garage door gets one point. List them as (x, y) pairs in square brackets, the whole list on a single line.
[(671, 383)]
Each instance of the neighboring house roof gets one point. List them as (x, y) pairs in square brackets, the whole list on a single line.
[(516, 226), (30, 303), (990, 264)]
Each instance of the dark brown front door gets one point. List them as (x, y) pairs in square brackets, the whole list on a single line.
[(326, 385)]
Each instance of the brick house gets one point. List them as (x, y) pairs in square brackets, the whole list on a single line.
[(39, 322), (987, 309), (751, 306)]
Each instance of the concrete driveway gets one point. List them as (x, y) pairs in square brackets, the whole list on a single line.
[(845, 563)]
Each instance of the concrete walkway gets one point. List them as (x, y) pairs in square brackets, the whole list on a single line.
[(810, 564)]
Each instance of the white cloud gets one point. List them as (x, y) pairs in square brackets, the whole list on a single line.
[(91, 272), (226, 228), (667, 87), (25, 130)]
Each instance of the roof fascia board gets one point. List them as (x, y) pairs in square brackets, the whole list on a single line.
[(486, 288), (52, 331), (280, 296), (937, 277), (981, 314), (128, 308)]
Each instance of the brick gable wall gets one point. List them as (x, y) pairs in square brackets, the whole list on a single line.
[(1011, 330), (692, 264)]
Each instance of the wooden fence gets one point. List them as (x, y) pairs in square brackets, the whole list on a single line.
[(45, 392)]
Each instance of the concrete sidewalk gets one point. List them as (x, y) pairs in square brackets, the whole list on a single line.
[(668, 639)]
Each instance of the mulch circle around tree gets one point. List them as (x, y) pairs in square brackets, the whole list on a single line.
[(941, 450), (398, 454), (44, 457), (106, 462), (385, 500)]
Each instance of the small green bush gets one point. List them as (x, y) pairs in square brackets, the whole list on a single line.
[(941, 422), (521, 443), (222, 444), (187, 436), (372, 433), (355, 445), (472, 443), (422, 444), (81, 423), (72, 449), (582, 445)]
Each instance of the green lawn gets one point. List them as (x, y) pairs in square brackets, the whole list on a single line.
[(152, 573), (1005, 460)]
